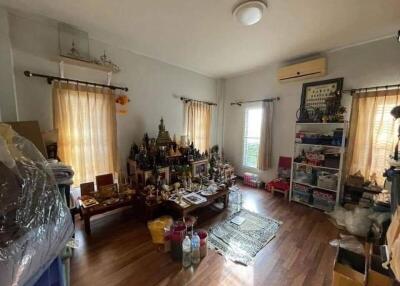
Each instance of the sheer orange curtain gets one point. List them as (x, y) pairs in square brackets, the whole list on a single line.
[(86, 121), (265, 149), (373, 133), (198, 124)]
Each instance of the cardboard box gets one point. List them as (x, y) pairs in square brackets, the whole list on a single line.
[(349, 269), (377, 275)]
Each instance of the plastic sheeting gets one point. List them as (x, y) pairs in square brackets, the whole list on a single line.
[(35, 223)]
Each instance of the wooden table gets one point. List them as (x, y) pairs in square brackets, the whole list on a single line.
[(100, 209), (222, 193)]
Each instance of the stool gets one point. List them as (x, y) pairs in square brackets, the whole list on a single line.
[(284, 192)]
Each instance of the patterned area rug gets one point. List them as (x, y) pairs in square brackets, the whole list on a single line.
[(241, 243)]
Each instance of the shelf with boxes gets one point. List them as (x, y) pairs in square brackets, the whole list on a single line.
[(317, 164)]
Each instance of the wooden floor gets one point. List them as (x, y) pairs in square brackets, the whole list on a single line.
[(120, 251)]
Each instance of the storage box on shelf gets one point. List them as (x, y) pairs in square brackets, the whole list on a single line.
[(327, 180), (323, 200), (317, 163), (302, 194)]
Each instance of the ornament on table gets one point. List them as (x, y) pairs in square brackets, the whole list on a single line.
[(176, 186)]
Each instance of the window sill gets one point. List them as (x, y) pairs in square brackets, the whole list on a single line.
[(253, 169)]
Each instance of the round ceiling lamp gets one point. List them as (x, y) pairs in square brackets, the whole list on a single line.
[(249, 12)]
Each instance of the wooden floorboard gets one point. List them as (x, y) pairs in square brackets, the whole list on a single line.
[(120, 251)]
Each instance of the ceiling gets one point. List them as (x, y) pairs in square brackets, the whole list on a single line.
[(202, 35)]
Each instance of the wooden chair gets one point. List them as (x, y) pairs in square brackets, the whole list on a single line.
[(104, 180), (87, 189)]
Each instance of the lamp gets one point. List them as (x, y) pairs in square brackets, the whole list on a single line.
[(249, 12)]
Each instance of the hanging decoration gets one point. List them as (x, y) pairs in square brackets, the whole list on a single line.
[(122, 101)]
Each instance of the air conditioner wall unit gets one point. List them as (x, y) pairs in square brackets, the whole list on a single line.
[(304, 70)]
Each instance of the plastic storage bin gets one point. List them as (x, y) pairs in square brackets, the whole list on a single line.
[(327, 205), (301, 196), (53, 276), (327, 181), (303, 177), (251, 180)]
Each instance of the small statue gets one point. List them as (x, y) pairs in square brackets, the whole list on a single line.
[(189, 181), (146, 140), (176, 186), (134, 151), (171, 151), (163, 138)]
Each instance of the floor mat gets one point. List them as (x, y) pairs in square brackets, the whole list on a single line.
[(241, 241)]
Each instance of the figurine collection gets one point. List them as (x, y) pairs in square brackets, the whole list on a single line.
[(177, 172)]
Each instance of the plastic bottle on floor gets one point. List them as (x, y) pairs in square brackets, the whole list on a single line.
[(195, 249), (186, 252)]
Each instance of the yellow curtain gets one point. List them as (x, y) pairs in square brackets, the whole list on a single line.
[(86, 122), (373, 133), (265, 149), (198, 124)]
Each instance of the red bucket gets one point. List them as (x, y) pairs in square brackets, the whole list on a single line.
[(203, 242)]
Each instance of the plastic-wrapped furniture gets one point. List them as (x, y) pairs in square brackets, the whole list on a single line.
[(35, 223)]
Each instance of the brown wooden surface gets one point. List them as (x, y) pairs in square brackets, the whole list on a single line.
[(87, 213), (120, 251)]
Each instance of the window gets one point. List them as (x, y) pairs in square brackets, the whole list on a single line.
[(384, 140), (373, 133), (251, 142), (86, 122), (198, 124)]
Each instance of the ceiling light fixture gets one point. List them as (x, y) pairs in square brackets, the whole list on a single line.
[(398, 36), (249, 12)]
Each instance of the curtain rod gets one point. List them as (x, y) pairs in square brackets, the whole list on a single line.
[(186, 99), (354, 90), (50, 79), (239, 103)]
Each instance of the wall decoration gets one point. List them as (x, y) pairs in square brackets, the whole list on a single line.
[(73, 43), (122, 104), (323, 96), (107, 62)]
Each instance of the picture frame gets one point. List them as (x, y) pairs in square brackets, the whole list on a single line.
[(73, 43), (314, 98), (199, 168)]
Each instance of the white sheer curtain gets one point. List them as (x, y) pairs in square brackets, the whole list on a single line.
[(373, 133), (86, 121), (198, 124)]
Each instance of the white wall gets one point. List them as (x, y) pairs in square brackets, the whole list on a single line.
[(376, 63), (8, 109), (151, 83)]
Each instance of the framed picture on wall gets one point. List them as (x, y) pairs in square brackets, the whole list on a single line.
[(320, 97), (73, 43)]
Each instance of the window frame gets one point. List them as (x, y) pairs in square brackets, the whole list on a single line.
[(245, 137)]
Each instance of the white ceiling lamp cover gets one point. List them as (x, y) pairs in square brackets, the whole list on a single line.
[(250, 12)]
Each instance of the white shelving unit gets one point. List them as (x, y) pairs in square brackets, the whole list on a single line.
[(320, 128)]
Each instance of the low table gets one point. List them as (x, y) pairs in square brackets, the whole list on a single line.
[(222, 193), (100, 209)]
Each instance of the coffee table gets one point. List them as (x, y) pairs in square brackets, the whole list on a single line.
[(88, 212), (222, 193)]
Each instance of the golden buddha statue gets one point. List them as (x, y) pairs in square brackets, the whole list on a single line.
[(163, 138)]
